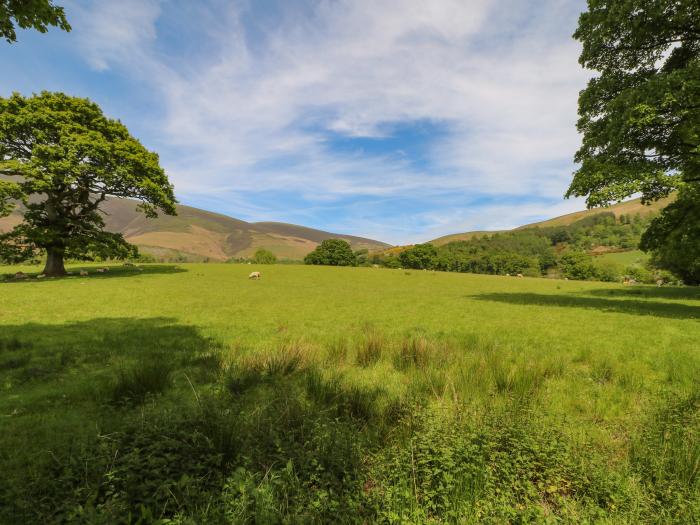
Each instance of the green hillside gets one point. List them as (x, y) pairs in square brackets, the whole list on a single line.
[(631, 207), (196, 234)]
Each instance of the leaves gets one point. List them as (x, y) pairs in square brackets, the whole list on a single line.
[(63, 158), (35, 14)]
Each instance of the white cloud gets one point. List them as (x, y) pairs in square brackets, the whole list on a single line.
[(254, 112), (114, 31)]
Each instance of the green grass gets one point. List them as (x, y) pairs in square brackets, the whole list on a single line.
[(625, 259), (192, 394)]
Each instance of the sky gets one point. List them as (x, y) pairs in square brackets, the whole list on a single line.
[(399, 120)]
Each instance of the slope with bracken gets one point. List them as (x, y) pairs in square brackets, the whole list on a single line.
[(195, 234)]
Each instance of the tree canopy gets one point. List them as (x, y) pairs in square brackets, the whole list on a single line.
[(263, 256), (332, 252), (60, 159), (26, 14), (640, 115)]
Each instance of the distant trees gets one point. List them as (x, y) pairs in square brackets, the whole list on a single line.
[(577, 265), (263, 256), (640, 117), (36, 14), (332, 252), (60, 157), (419, 257), (559, 250)]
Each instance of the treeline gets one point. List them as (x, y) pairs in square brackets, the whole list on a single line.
[(561, 251)]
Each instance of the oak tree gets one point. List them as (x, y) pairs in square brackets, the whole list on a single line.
[(60, 159), (640, 114)]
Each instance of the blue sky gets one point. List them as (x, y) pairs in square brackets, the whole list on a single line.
[(400, 120)]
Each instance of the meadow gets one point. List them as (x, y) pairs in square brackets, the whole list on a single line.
[(190, 394)]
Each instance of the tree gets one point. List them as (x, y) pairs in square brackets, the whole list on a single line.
[(674, 237), (263, 256), (332, 252), (36, 14), (640, 117), (60, 157), (419, 257), (577, 265)]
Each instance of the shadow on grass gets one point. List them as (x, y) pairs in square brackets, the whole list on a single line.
[(686, 293), (625, 306), (110, 350), (114, 272), (99, 421)]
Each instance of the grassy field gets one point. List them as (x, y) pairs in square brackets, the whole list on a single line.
[(625, 259), (189, 394)]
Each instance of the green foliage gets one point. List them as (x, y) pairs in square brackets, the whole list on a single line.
[(578, 266), (34, 14), (505, 469), (674, 237), (332, 252), (66, 151), (263, 256), (666, 455), (639, 117), (419, 257), (532, 251)]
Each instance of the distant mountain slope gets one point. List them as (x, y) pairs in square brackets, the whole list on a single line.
[(197, 234), (631, 207)]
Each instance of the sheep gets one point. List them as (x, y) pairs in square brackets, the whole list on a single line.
[(21, 275), (520, 275), (254, 275), (83, 273)]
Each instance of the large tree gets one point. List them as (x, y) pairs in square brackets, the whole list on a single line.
[(36, 14), (61, 158), (640, 115), (332, 252)]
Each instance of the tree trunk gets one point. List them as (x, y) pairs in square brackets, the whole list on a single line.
[(54, 262)]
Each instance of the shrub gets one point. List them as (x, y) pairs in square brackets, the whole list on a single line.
[(419, 257), (577, 266), (263, 256), (332, 252)]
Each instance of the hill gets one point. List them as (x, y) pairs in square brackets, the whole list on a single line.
[(631, 207), (196, 234)]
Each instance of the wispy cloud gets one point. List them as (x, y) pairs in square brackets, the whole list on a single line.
[(252, 98)]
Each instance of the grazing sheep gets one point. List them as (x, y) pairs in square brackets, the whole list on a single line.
[(254, 275), (40, 276), (520, 275), (83, 273), (21, 275), (130, 264), (659, 282)]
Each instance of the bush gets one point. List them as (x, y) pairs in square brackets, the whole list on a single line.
[(577, 266), (332, 252), (419, 257), (263, 256)]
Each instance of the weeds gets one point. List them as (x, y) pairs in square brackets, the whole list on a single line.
[(371, 349)]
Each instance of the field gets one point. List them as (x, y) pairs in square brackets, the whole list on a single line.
[(190, 394), (625, 259)]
